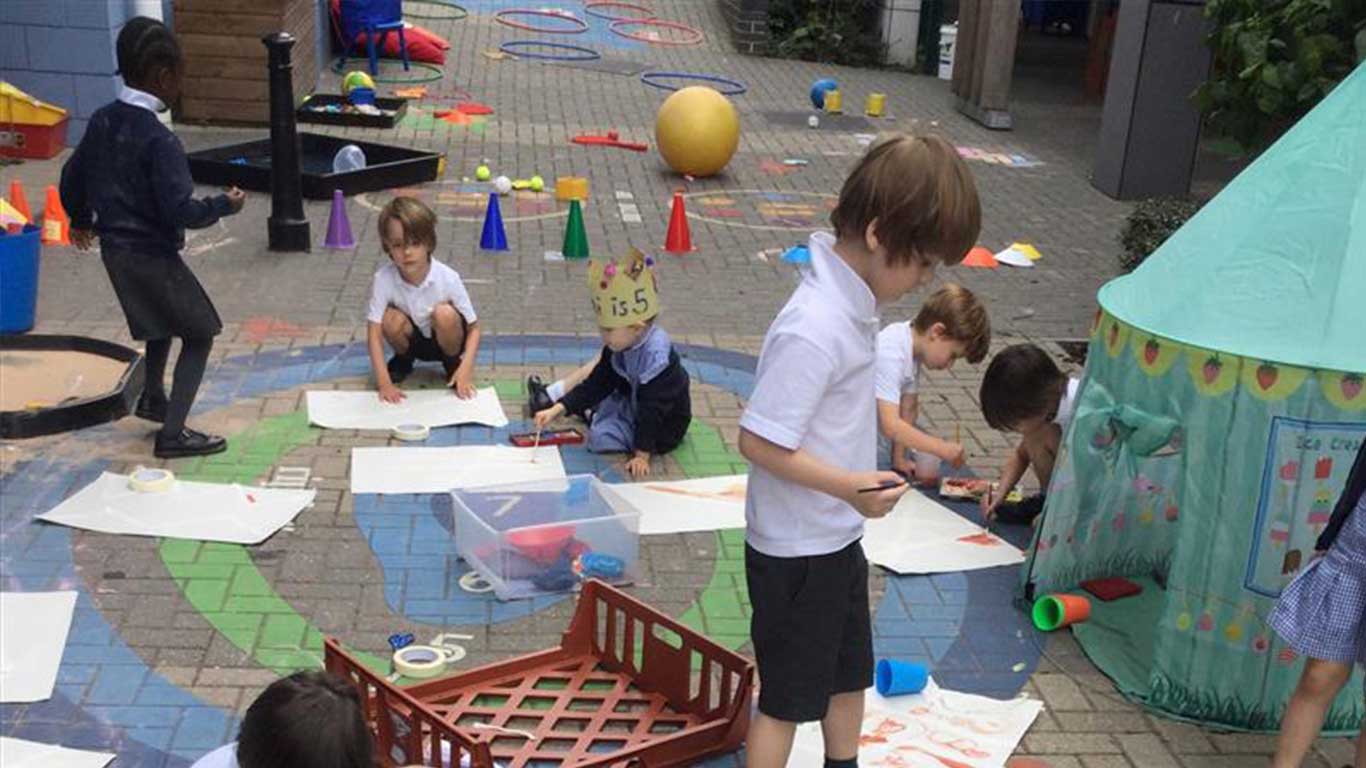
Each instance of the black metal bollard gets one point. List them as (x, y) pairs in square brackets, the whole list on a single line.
[(287, 229)]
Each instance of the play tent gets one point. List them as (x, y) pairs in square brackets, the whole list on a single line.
[(1221, 410)]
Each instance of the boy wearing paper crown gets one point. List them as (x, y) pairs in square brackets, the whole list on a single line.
[(636, 396)]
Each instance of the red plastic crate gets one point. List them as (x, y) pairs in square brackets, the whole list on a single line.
[(38, 142), (628, 686)]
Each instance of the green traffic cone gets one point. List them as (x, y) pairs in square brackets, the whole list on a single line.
[(575, 238)]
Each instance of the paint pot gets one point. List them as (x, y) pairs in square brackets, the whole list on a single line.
[(411, 433), (895, 678), (834, 102), (420, 662), (154, 480), (875, 104), (1056, 611), (927, 469)]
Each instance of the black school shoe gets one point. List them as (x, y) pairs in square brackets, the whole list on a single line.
[(1020, 512), (151, 409), (188, 443), (399, 367), (538, 399)]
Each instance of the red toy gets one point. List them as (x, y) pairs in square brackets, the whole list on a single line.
[(1112, 588), (558, 437), (612, 139)]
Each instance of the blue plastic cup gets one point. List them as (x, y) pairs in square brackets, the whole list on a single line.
[(895, 678)]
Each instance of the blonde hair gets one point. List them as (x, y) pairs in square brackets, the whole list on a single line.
[(418, 221), (921, 195), (964, 318)]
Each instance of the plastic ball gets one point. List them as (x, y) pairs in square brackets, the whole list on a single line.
[(483, 173), (818, 90), (697, 130), (537, 183), (356, 79), (502, 185), (813, 122)]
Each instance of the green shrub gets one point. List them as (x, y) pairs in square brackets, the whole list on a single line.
[(832, 31), (1151, 223)]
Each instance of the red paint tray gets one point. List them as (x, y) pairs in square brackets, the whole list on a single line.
[(628, 686)]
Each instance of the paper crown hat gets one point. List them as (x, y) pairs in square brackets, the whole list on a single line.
[(624, 292)]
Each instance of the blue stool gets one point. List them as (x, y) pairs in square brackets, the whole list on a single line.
[(373, 17)]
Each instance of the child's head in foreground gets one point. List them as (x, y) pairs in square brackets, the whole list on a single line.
[(407, 231), (310, 719), (950, 325), (1021, 389), (150, 58), (911, 203)]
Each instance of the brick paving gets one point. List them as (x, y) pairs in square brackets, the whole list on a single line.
[(172, 638)]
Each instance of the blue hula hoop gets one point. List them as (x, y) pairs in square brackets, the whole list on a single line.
[(511, 47), (733, 87)]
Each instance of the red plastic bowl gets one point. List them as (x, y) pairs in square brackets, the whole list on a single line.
[(543, 545)]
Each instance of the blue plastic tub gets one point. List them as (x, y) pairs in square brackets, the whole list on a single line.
[(19, 279)]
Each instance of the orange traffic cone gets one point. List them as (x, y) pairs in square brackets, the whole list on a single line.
[(679, 239), (56, 226), (17, 199), (981, 258)]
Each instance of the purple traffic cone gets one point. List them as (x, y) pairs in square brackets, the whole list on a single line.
[(338, 225)]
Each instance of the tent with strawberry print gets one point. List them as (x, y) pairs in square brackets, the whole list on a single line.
[(1222, 406)]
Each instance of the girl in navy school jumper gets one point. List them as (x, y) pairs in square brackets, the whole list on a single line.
[(128, 183)]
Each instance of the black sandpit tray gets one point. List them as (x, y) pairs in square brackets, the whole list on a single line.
[(247, 165), (310, 112), (75, 413)]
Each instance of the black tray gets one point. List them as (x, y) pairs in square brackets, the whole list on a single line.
[(75, 413), (307, 114), (386, 166)]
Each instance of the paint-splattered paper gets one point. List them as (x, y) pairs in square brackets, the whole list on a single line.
[(921, 535)]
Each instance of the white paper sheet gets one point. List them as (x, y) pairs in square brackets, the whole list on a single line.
[(920, 535), (705, 504), (438, 470), (19, 753), (203, 511), (33, 628), (915, 731), (429, 407)]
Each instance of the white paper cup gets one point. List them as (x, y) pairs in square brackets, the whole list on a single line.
[(927, 468)]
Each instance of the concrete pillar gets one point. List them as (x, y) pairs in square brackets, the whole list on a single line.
[(985, 59)]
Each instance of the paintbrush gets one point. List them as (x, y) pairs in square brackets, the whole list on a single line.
[(905, 480), (536, 445)]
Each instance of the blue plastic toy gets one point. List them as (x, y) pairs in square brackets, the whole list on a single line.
[(818, 90), (591, 565), (397, 641)]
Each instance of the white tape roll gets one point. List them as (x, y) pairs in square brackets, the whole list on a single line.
[(411, 433), (420, 662), (154, 480), (473, 582)]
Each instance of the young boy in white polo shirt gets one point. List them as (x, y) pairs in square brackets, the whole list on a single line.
[(950, 325), (418, 305), (810, 434)]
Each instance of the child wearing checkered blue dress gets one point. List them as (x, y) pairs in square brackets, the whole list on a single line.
[(1322, 616)]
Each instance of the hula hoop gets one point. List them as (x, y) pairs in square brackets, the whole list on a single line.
[(510, 47), (501, 18), (435, 73), (734, 87), (615, 27), (464, 12), (591, 4)]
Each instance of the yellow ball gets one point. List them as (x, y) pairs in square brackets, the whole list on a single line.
[(483, 173), (697, 130), (537, 183), (356, 79)]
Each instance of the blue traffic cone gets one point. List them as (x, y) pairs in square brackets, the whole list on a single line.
[(494, 238)]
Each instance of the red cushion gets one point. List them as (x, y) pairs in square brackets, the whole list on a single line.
[(423, 45)]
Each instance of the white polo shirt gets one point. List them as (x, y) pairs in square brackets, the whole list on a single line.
[(1068, 405), (223, 757), (896, 366), (443, 284), (813, 391)]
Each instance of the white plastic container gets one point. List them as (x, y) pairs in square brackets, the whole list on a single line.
[(348, 158), (948, 37), (530, 539)]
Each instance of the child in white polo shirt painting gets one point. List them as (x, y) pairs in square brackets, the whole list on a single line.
[(810, 433), (418, 305)]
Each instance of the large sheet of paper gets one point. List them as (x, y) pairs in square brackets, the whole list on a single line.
[(935, 728), (438, 470), (33, 628), (204, 511), (920, 535), (705, 504), (429, 407), (19, 753)]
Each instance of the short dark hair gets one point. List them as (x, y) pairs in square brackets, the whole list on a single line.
[(144, 46), (1022, 381), (311, 719)]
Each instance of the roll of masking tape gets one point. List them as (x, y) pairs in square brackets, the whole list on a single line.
[(154, 480), (412, 433), (476, 583), (420, 662)]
